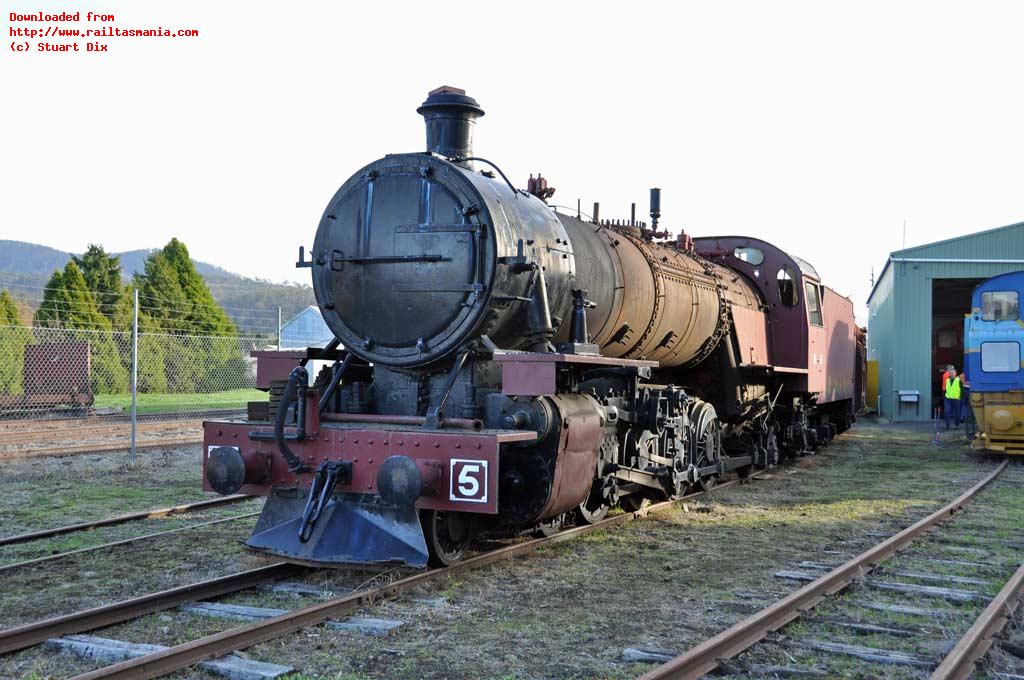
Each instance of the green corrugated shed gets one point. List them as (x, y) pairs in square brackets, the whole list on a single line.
[(900, 308)]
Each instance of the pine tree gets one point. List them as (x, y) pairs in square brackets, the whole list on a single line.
[(152, 342), (199, 348), (13, 340), (177, 296), (102, 273), (54, 303), (8, 310), (69, 304)]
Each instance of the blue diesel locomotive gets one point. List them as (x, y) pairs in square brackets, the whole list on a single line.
[(993, 334)]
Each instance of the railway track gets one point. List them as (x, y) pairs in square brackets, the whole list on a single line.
[(27, 635), (43, 423), (848, 616), (972, 647), (88, 432), (126, 541), (101, 448), (60, 437), (190, 653), (155, 513)]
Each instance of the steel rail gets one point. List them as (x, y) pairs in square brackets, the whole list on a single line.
[(43, 437), (959, 664), (98, 448), (59, 427), (19, 424), (156, 513), (20, 637), (748, 632), (18, 436), (190, 653), (114, 544)]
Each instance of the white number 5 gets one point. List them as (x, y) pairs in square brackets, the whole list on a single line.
[(468, 484)]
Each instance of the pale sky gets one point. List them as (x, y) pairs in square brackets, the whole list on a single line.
[(818, 126)]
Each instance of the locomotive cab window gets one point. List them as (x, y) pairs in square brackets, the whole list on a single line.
[(752, 256), (1000, 357), (788, 293), (813, 304), (1000, 306)]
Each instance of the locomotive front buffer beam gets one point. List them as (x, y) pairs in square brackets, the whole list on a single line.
[(357, 497)]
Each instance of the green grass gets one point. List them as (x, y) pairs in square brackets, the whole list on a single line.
[(165, 403)]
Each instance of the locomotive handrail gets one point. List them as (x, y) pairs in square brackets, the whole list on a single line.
[(515, 192), (297, 380), (458, 423)]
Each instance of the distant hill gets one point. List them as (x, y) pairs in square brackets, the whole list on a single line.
[(251, 303), (18, 257)]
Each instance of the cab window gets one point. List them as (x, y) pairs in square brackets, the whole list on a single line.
[(752, 256), (813, 304), (1000, 357), (1000, 306), (788, 294)]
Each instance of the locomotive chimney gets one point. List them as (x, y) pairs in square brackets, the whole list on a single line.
[(450, 116)]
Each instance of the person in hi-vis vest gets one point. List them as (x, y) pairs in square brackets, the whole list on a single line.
[(952, 398)]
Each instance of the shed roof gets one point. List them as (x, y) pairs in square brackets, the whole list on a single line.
[(977, 246), (310, 309), (943, 246)]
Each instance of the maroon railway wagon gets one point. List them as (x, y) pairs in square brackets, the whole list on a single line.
[(500, 367), (54, 375)]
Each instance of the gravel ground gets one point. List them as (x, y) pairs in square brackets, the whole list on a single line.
[(44, 438), (665, 582)]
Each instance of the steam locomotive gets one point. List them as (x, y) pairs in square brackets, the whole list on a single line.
[(502, 367)]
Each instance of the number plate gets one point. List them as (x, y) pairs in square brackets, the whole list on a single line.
[(468, 481)]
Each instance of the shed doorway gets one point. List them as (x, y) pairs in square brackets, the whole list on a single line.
[(951, 300)]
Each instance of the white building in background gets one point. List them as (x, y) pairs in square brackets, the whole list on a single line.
[(305, 329)]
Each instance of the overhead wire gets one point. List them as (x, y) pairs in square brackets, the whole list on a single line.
[(4, 284), (146, 308)]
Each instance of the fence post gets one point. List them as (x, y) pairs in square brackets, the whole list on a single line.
[(135, 372), (279, 328)]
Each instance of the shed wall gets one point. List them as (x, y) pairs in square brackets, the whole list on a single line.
[(912, 343)]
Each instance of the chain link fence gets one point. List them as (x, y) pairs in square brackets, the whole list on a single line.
[(72, 388)]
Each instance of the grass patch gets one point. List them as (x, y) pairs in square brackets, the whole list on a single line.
[(171, 403)]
